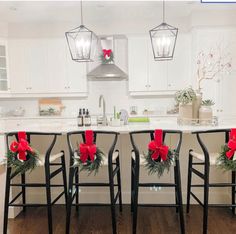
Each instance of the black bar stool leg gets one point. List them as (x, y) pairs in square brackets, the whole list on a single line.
[(69, 199), (176, 190), (48, 192), (135, 203), (77, 189), (6, 205), (132, 185), (64, 177), (233, 192), (206, 196), (112, 197), (23, 191), (119, 183), (179, 197), (190, 161)]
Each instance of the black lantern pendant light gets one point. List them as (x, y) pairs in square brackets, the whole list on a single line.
[(82, 42), (163, 39)]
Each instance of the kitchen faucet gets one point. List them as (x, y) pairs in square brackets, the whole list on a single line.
[(103, 105)]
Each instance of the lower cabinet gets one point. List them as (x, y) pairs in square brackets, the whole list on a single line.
[(43, 67)]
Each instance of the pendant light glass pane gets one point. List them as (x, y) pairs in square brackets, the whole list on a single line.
[(163, 39), (82, 43)]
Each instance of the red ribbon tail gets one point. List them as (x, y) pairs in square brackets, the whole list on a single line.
[(230, 154)]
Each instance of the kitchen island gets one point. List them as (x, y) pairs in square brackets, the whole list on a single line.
[(64, 125)]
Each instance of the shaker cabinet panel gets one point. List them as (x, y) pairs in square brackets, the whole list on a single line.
[(56, 59), (4, 76), (18, 67), (148, 76), (179, 69), (44, 67), (157, 72), (37, 61), (76, 75), (221, 88), (138, 63)]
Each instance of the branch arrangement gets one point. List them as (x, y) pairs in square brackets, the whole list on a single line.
[(212, 63)]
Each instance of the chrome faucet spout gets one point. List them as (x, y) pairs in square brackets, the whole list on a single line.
[(103, 105)]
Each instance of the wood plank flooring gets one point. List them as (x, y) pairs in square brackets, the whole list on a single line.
[(96, 220)]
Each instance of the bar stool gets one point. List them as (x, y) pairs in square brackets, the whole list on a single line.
[(47, 161), (137, 161), (112, 161), (207, 159)]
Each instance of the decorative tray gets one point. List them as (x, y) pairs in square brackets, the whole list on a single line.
[(198, 122)]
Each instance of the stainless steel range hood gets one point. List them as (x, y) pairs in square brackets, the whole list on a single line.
[(111, 70)]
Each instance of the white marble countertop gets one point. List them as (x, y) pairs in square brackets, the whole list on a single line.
[(66, 125)]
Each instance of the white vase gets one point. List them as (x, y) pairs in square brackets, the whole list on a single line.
[(205, 114), (197, 104), (186, 111)]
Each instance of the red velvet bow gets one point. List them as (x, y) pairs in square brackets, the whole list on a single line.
[(87, 150), (156, 146), (231, 143), (106, 53), (21, 147)]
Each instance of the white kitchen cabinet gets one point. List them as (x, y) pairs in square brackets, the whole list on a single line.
[(221, 89), (179, 69), (4, 78), (150, 77), (18, 68), (138, 64), (76, 75), (157, 72), (43, 67)]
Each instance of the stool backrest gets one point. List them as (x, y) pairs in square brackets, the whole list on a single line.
[(80, 135), (29, 135), (150, 134), (204, 148)]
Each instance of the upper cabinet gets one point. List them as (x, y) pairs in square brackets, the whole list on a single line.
[(43, 67), (4, 80), (150, 77), (221, 89)]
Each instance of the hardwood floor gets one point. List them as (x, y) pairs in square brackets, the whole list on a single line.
[(97, 220)]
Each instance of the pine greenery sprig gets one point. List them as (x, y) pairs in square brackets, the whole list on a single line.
[(158, 167), (89, 166), (110, 59), (21, 166), (223, 162)]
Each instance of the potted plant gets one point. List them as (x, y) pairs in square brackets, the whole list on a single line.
[(205, 111), (185, 100)]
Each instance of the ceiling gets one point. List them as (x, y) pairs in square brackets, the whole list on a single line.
[(102, 11)]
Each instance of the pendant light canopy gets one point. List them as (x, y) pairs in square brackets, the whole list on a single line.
[(163, 39), (82, 42)]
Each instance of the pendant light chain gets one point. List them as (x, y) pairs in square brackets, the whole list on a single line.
[(81, 12), (163, 10)]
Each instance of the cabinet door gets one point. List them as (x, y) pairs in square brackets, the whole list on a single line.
[(76, 75), (4, 79), (138, 63), (222, 88), (179, 69), (37, 62), (157, 72), (18, 65), (56, 66)]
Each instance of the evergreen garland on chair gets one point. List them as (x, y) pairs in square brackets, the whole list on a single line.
[(89, 157), (226, 159), (21, 157), (159, 157)]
